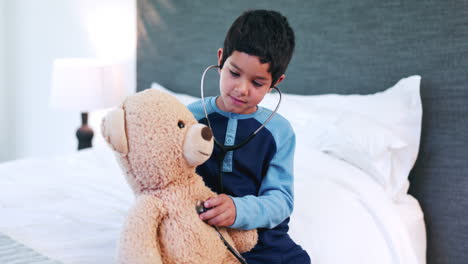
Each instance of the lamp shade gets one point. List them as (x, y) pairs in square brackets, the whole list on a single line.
[(87, 84)]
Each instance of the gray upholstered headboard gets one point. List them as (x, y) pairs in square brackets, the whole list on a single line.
[(359, 46)]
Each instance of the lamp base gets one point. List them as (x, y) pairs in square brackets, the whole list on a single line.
[(84, 133)]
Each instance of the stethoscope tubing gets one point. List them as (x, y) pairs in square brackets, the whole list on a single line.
[(225, 149)]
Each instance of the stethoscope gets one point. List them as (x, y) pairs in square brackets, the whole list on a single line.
[(224, 150)]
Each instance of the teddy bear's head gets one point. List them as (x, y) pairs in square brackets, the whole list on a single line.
[(157, 140)]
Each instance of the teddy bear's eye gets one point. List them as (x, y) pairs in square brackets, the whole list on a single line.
[(181, 124)]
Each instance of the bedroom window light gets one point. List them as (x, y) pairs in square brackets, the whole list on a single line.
[(86, 84)]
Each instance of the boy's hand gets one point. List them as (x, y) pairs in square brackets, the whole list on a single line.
[(222, 211)]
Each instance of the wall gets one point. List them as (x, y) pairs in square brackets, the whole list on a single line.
[(4, 134), (41, 31)]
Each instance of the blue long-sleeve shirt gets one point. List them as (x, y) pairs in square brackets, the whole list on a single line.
[(258, 176)]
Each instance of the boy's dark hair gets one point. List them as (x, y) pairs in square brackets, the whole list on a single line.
[(265, 34)]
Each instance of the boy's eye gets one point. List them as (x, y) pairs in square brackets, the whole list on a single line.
[(235, 74), (257, 84)]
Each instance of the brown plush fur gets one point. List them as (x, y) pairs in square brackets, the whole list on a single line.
[(159, 159)]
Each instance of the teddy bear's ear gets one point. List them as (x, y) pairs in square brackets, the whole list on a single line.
[(113, 130)]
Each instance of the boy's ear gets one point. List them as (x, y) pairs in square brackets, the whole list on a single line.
[(280, 79), (220, 56)]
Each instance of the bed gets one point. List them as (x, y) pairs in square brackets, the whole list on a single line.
[(74, 211), (376, 94)]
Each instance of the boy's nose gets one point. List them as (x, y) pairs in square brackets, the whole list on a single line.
[(242, 87)]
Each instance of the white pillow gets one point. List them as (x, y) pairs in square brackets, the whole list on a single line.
[(363, 143), (398, 109), (184, 98)]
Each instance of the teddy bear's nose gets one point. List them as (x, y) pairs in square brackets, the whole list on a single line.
[(206, 133)]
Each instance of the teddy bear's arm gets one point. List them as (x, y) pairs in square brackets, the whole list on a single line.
[(138, 242), (244, 240)]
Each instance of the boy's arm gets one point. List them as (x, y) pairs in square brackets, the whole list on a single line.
[(274, 202)]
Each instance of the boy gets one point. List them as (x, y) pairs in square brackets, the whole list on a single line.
[(258, 177)]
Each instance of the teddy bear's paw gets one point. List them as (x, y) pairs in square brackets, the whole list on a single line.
[(244, 240)]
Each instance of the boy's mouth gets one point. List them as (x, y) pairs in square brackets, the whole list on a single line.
[(236, 101)]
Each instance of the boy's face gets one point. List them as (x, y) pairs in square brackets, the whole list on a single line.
[(244, 81)]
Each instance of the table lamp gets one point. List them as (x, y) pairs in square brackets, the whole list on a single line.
[(84, 85)]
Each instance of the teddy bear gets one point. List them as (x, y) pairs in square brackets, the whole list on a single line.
[(158, 144)]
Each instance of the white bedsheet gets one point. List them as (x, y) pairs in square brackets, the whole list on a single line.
[(71, 209), (68, 208), (342, 215)]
